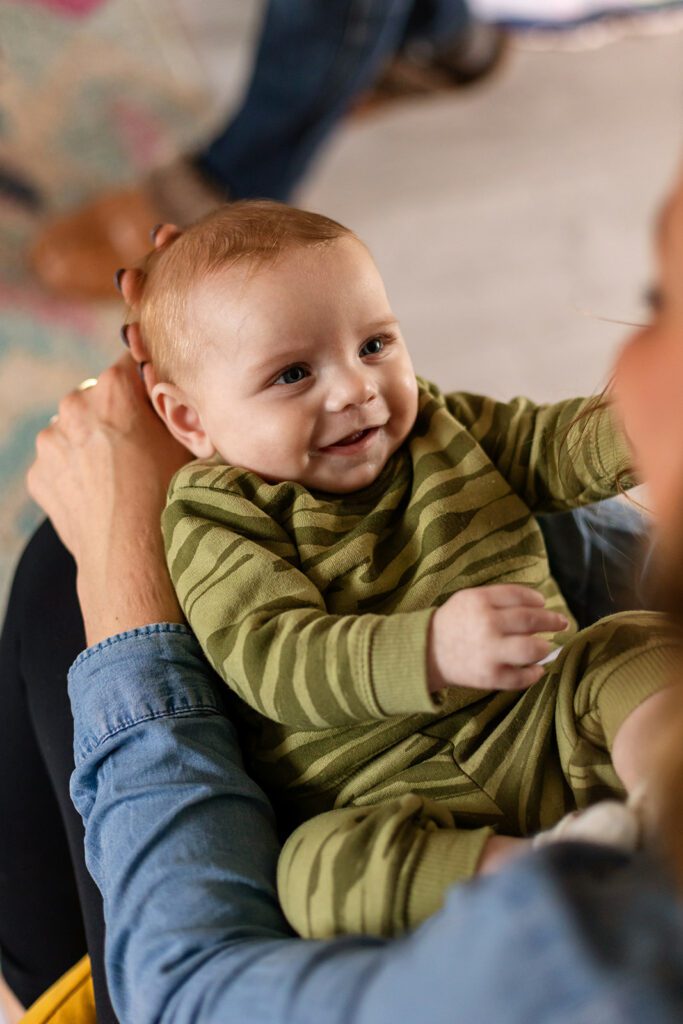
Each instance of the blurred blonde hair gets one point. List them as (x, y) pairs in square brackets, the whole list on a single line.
[(664, 794), (257, 232)]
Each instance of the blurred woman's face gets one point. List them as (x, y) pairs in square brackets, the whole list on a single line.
[(648, 385)]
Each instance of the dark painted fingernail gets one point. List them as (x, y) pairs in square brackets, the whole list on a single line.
[(123, 334), (117, 278), (141, 370), (153, 233)]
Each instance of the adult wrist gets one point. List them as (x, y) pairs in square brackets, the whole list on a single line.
[(135, 596)]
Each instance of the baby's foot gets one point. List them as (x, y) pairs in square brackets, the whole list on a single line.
[(609, 823)]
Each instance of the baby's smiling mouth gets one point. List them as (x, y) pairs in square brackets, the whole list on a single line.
[(350, 438), (351, 441)]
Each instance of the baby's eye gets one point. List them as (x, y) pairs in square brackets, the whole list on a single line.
[(292, 375), (372, 347), (653, 298)]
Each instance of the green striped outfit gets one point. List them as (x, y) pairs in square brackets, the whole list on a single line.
[(315, 609)]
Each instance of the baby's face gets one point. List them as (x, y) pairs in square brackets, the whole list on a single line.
[(306, 377)]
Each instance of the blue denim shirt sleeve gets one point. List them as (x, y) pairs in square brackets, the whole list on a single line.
[(183, 847)]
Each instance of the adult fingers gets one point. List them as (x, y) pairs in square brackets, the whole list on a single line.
[(51, 447), (166, 233), (131, 283), (141, 355), (113, 400), (132, 335), (73, 411), (131, 280), (120, 394)]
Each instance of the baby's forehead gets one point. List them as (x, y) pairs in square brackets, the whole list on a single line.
[(286, 293), (231, 304), (299, 266)]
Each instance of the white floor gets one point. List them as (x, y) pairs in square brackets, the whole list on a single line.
[(511, 221)]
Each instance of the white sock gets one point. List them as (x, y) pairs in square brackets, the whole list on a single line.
[(608, 823)]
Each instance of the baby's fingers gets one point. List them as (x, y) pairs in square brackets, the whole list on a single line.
[(507, 595), (525, 619), (523, 650), (510, 677)]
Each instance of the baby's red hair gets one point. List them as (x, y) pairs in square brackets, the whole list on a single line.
[(252, 231)]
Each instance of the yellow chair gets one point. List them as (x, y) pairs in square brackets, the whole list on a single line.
[(70, 1000)]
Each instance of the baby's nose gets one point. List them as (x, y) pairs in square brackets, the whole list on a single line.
[(352, 387)]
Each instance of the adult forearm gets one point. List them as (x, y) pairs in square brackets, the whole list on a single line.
[(101, 475), (182, 844), (127, 590)]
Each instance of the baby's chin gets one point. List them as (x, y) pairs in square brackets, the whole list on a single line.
[(321, 472), (327, 482), (346, 483)]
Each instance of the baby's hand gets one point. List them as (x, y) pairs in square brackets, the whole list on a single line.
[(485, 638)]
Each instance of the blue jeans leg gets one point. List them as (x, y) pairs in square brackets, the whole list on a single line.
[(574, 934), (313, 57), (599, 555), (437, 22)]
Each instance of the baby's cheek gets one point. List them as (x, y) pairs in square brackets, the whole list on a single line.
[(284, 441), (407, 402)]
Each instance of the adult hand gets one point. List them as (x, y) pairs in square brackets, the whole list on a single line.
[(131, 284), (101, 474)]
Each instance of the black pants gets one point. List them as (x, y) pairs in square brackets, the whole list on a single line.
[(50, 909)]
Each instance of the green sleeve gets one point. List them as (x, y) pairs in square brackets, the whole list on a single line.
[(554, 456), (264, 627)]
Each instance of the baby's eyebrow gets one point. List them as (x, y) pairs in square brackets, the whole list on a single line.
[(378, 325), (275, 361)]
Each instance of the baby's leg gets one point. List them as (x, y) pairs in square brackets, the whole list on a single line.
[(374, 870), (613, 681), (637, 738)]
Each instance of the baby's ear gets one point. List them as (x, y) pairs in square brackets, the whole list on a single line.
[(182, 419)]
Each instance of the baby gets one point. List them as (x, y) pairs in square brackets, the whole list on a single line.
[(359, 557)]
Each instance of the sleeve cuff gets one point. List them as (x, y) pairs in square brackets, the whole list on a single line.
[(398, 663), (152, 672), (612, 449)]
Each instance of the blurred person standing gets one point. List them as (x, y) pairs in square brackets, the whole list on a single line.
[(312, 62)]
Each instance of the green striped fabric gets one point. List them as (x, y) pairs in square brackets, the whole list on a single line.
[(315, 608)]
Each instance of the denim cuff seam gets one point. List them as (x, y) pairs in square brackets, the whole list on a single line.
[(139, 633), (204, 710)]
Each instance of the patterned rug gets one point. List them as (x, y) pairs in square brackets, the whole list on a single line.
[(71, 67)]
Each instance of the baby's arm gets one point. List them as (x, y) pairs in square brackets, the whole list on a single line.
[(554, 456), (264, 626)]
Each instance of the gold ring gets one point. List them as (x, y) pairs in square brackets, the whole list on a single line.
[(89, 382)]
